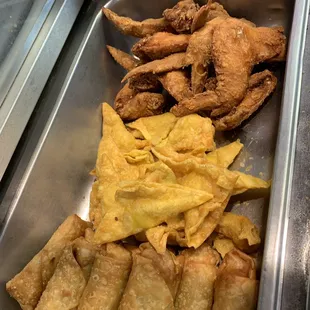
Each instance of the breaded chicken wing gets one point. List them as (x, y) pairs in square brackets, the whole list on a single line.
[(127, 61), (160, 45), (261, 85), (236, 48), (181, 15), (135, 28), (145, 82), (169, 63), (131, 105), (206, 13), (177, 84)]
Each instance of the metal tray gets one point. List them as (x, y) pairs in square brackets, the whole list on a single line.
[(49, 180)]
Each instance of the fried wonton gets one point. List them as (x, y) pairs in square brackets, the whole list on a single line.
[(240, 230), (140, 205), (223, 245), (154, 128), (192, 133)]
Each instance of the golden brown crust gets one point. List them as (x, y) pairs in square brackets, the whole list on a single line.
[(27, 286), (127, 61), (261, 85), (181, 15), (131, 105), (160, 45), (135, 28), (145, 82), (177, 84), (169, 63), (206, 13), (205, 101)]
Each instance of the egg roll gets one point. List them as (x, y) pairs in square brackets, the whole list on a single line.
[(236, 286), (167, 265), (67, 284), (199, 274), (27, 286), (146, 288), (108, 279)]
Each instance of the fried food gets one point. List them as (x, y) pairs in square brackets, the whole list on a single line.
[(199, 274), (146, 288), (169, 267), (236, 287), (191, 134), (127, 61), (134, 28), (205, 101), (169, 63), (140, 205), (27, 286), (240, 230), (199, 54), (177, 84), (261, 85), (146, 82), (223, 245), (206, 13), (108, 279), (181, 15), (154, 128), (67, 284), (160, 45), (131, 105), (233, 65), (225, 155)]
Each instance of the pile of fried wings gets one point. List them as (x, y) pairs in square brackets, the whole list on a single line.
[(203, 58)]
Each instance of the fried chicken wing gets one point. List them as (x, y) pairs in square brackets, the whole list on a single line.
[(181, 15), (261, 85), (160, 45), (135, 28), (131, 105), (210, 84), (236, 48), (199, 54), (206, 13), (169, 63), (127, 61), (145, 82), (177, 84), (200, 102)]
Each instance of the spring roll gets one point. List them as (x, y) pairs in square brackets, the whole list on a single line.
[(236, 287), (27, 286), (199, 274), (108, 279), (67, 284), (146, 288), (167, 265)]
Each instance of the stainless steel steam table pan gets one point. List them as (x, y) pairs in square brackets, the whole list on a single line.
[(56, 181)]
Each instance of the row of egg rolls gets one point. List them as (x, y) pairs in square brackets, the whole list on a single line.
[(72, 273)]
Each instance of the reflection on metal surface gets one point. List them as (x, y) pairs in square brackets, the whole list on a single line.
[(36, 62), (22, 45), (56, 182)]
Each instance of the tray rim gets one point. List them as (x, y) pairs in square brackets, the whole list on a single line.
[(272, 273)]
